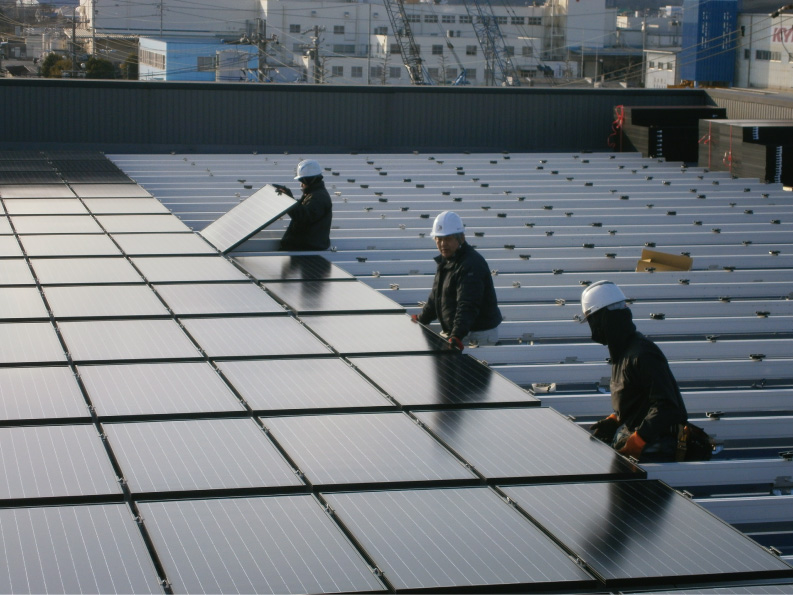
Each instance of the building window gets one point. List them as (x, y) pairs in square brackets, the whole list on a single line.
[(206, 63), (430, 18), (517, 21), (376, 72), (414, 18), (776, 56), (746, 54), (509, 50), (394, 72), (433, 72), (465, 19), (294, 28), (344, 48), (356, 72), (527, 51), (338, 29), (451, 73), (762, 55), (337, 70), (448, 18), (381, 30), (501, 20), (470, 50), (437, 50), (394, 48), (535, 20), (153, 59), (470, 73)]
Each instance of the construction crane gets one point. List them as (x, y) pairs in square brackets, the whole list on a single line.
[(492, 42), (408, 48)]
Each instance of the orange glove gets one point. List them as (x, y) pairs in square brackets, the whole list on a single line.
[(634, 446), (456, 342), (414, 317)]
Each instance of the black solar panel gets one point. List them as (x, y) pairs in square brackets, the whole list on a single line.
[(157, 389), (74, 549), (365, 449), (247, 218), (44, 206), (218, 298), (54, 462), (40, 393), (50, 271), (120, 190), (455, 539), (15, 272), (43, 224), (527, 445), (21, 303), (304, 267), (137, 206), (104, 301), (9, 247), (441, 380), (162, 244), (195, 455), (29, 343), (163, 223), (69, 245), (315, 297), (644, 532), (18, 165), (299, 384), (106, 177), (35, 191), (374, 333), (166, 269), (276, 544), (29, 177)]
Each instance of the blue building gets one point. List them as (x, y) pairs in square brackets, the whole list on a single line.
[(195, 59), (709, 30)]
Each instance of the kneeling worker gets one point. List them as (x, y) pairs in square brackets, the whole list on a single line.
[(645, 397), (309, 228), (462, 297)]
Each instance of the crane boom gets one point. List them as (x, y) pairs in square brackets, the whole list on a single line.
[(408, 48), (492, 42)]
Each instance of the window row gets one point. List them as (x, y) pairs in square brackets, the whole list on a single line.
[(397, 72), (448, 19)]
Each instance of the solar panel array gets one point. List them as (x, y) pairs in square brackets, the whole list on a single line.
[(177, 421)]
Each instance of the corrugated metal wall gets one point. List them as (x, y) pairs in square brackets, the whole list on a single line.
[(742, 105), (123, 116)]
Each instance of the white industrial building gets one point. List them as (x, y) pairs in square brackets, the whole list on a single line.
[(763, 56)]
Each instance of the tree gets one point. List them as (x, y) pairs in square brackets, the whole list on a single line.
[(99, 68), (129, 69), (54, 65)]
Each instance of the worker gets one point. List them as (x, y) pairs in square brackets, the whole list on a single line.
[(309, 228), (462, 297), (646, 401)]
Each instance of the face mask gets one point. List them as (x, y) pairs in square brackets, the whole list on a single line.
[(597, 325)]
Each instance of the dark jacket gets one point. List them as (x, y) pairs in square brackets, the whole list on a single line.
[(311, 216), (463, 297), (644, 393)]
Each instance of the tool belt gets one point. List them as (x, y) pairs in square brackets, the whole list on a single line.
[(693, 443)]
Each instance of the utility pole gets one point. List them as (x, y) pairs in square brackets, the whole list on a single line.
[(74, 42), (93, 28), (313, 56)]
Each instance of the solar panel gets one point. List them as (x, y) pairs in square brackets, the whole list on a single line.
[(644, 532), (15, 272), (357, 449), (309, 297), (276, 544), (44, 206), (218, 298), (38, 393), (301, 267), (165, 223), (247, 218), (103, 301), (374, 333), (21, 302), (42, 224), (51, 271), (190, 455), (29, 343), (776, 589), (29, 177), (297, 384), (542, 445), (157, 389), (69, 245), (143, 244), (134, 206), (456, 539), (188, 268), (35, 191), (25, 165), (9, 247), (441, 380), (102, 177), (54, 462), (74, 549), (253, 336), (108, 340), (109, 191), (5, 225)]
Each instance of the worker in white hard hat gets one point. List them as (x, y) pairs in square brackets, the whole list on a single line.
[(309, 228), (462, 298), (648, 408)]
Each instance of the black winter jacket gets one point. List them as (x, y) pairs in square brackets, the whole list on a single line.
[(644, 393), (311, 216), (463, 297)]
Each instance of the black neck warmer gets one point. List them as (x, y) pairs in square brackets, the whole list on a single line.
[(613, 328)]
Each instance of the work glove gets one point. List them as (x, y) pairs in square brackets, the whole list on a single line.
[(282, 190), (634, 446), (455, 341), (414, 317), (605, 428)]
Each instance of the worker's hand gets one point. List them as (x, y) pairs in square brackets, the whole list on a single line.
[(282, 190), (414, 318), (605, 428), (455, 341), (634, 446)]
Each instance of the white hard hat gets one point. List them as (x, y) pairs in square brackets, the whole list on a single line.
[(597, 296), (447, 224), (308, 168)]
